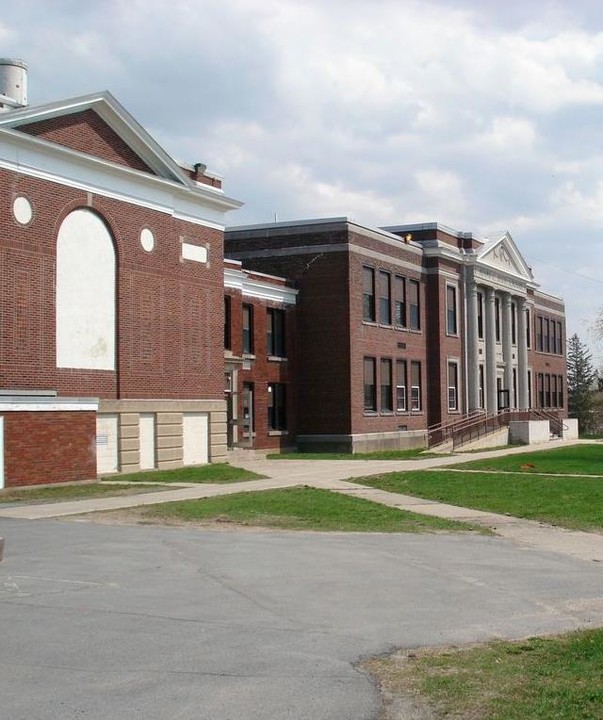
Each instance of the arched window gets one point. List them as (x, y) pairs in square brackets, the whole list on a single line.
[(85, 293)]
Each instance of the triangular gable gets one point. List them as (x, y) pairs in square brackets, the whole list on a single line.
[(97, 125), (502, 254)]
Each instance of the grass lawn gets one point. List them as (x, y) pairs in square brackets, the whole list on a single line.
[(213, 473), (571, 502), (413, 454), (58, 493), (538, 678), (576, 459), (300, 508)]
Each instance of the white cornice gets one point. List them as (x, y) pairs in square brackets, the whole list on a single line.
[(38, 158), (38, 404), (249, 287)]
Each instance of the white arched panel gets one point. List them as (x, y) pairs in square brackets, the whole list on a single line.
[(85, 293)]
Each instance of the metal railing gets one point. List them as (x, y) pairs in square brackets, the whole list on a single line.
[(441, 432), (477, 424)]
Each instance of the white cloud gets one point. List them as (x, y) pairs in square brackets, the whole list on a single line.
[(471, 112)]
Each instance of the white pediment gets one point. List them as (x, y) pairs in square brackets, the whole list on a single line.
[(117, 118), (502, 255)]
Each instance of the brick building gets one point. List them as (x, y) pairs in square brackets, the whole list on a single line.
[(403, 328), (111, 254), (128, 341), (259, 357)]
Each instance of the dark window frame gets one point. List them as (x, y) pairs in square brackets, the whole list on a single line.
[(370, 388), (277, 407), (385, 297), (386, 404), (451, 310), (414, 305), (275, 332), (247, 329), (368, 294)]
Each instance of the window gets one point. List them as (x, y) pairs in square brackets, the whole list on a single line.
[(539, 333), (497, 317), (514, 387), (529, 388), (513, 323), (559, 338), (553, 341), (248, 329), (386, 386), (528, 329), (368, 294), (540, 381), (480, 316), (399, 301), (277, 406), (413, 305), (385, 298), (415, 385), (451, 327), (453, 386), (275, 332), (560, 391), (481, 386), (545, 337), (227, 323), (401, 385), (547, 390), (370, 395), (553, 391)]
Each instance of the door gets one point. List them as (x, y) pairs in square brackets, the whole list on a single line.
[(147, 441), (195, 438), (106, 444)]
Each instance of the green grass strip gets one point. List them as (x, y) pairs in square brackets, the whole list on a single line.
[(300, 508), (60, 493), (538, 678), (213, 473), (572, 502), (575, 460), (413, 454)]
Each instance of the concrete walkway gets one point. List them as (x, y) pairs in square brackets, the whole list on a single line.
[(333, 475)]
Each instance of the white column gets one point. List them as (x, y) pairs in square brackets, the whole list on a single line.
[(522, 356), (507, 345), (472, 347), (491, 395)]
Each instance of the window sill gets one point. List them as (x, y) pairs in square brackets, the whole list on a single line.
[(387, 413), (248, 356), (277, 358), (277, 433), (370, 323), (370, 413)]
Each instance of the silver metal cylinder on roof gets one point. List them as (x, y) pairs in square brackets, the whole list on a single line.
[(13, 81)]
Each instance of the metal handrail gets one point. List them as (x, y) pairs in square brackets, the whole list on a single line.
[(440, 432)]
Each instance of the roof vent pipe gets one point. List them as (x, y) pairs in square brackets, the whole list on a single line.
[(13, 84)]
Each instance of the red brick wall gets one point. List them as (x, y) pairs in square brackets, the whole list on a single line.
[(49, 447), (87, 132), (169, 312), (387, 342), (264, 371)]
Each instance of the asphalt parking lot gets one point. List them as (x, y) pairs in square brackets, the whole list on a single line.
[(105, 621)]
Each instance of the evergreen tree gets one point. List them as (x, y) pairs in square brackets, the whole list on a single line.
[(580, 378)]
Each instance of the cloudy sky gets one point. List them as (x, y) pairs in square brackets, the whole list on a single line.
[(479, 114)]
